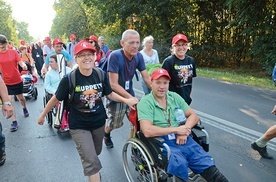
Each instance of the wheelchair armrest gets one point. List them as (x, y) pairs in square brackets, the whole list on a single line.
[(158, 140)]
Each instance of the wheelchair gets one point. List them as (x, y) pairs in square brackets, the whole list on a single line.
[(53, 112), (144, 161)]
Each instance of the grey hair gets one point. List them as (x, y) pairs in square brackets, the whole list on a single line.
[(129, 32), (101, 37), (146, 39)]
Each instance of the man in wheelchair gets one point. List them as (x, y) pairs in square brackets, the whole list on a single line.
[(156, 117)]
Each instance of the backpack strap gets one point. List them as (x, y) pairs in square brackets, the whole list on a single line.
[(100, 74), (72, 85)]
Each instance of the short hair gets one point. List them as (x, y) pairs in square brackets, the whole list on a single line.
[(21, 48), (54, 56), (146, 39), (128, 32), (101, 37)]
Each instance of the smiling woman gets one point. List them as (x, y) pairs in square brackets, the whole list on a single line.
[(38, 14)]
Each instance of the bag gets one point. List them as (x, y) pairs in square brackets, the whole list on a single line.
[(133, 118), (64, 121)]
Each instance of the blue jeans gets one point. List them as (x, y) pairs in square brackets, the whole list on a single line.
[(2, 140)]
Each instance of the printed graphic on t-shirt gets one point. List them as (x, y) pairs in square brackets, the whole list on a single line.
[(89, 95), (184, 72)]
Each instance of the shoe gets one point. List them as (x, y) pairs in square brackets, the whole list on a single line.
[(14, 126), (25, 112), (108, 142), (262, 151), (2, 159)]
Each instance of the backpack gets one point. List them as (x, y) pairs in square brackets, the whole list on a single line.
[(72, 84), (104, 62)]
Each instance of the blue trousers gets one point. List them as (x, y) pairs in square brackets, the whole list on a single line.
[(2, 140), (190, 155)]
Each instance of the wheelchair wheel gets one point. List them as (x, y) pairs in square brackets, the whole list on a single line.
[(49, 116), (138, 162)]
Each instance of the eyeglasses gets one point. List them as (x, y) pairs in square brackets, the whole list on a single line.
[(181, 45), (82, 56)]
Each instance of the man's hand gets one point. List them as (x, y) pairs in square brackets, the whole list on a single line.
[(181, 139), (131, 102), (7, 111)]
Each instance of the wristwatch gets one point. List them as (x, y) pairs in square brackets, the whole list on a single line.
[(7, 103)]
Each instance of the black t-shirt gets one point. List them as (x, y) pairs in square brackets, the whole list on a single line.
[(86, 110), (182, 73)]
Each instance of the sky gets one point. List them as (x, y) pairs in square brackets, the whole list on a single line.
[(39, 14)]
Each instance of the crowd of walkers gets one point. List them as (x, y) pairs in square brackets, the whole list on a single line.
[(91, 122)]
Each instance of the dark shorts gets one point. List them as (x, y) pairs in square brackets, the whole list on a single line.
[(15, 89)]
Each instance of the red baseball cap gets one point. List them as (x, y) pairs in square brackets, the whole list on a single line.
[(57, 41), (179, 37), (83, 45), (22, 42), (94, 38), (158, 73), (47, 39), (73, 36)]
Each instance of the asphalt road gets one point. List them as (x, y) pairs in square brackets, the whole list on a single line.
[(233, 114)]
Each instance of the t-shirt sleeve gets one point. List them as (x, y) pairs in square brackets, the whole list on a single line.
[(112, 64), (167, 65), (141, 64), (145, 109), (63, 89), (47, 59), (67, 56)]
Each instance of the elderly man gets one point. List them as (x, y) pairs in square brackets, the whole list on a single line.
[(156, 116), (121, 68)]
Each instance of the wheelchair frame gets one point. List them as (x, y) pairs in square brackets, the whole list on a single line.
[(53, 112), (143, 160)]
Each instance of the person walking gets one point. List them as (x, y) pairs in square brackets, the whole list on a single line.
[(121, 68), (58, 49), (9, 61), (37, 55), (103, 46), (7, 111), (150, 56), (261, 143), (181, 67), (71, 46), (87, 113)]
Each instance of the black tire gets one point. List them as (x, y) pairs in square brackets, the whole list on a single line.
[(35, 93)]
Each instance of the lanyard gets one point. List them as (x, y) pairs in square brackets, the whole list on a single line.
[(129, 68), (169, 118)]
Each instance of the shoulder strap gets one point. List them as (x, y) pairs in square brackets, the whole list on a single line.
[(100, 74), (72, 85)]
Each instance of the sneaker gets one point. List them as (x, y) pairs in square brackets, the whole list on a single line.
[(14, 126), (2, 159), (262, 151), (108, 142), (25, 112)]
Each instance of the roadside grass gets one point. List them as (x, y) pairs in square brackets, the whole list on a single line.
[(243, 76)]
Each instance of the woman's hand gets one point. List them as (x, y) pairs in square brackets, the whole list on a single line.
[(40, 120)]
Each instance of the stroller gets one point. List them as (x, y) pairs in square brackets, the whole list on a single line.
[(29, 80)]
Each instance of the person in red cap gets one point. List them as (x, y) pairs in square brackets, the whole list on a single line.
[(87, 113), (156, 118), (93, 39), (47, 48), (181, 68), (71, 45), (9, 61), (58, 49)]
